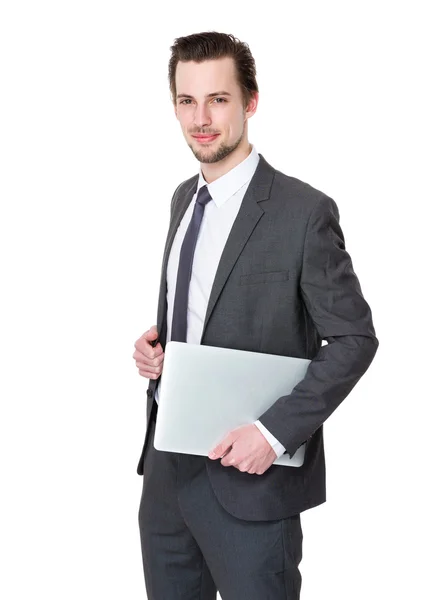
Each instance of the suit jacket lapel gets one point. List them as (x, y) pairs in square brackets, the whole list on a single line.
[(248, 215)]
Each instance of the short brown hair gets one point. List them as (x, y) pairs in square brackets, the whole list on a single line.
[(210, 45)]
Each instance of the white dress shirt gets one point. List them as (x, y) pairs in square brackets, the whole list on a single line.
[(219, 215)]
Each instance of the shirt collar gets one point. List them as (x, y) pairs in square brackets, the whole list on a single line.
[(228, 184)]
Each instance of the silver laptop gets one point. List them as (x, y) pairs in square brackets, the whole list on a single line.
[(206, 391)]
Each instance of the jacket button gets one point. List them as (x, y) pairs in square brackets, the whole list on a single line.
[(149, 393)]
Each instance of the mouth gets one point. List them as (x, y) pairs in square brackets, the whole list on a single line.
[(204, 139)]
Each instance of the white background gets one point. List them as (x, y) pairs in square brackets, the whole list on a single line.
[(91, 153)]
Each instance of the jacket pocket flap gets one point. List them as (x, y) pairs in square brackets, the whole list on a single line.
[(264, 277)]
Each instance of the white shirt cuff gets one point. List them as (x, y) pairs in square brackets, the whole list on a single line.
[(274, 443)]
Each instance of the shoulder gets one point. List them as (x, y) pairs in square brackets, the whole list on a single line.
[(306, 199)]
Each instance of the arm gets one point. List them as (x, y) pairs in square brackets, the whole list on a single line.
[(333, 299)]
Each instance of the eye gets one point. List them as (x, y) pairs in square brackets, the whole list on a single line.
[(223, 100)]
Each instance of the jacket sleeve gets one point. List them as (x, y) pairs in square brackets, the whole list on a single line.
[(334, 301)]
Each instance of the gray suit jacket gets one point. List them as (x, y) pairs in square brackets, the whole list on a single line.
[(284, 282)]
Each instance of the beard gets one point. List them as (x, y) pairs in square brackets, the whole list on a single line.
[(208, 156)]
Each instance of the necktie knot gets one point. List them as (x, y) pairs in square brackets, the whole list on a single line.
[(203, 196)]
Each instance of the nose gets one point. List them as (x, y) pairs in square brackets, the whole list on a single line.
[(202, 116)]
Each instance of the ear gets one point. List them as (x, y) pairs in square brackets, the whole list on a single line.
[(252, 106)]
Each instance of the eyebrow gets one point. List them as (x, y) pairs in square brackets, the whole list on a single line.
[(222, 93)]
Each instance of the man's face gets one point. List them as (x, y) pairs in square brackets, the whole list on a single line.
[(221, 114)]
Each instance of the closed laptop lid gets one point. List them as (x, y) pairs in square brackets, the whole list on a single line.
[(206, 391)]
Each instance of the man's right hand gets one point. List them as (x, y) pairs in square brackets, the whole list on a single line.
[(149, 359)]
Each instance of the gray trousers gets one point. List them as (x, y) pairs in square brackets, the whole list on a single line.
[(193, 548)]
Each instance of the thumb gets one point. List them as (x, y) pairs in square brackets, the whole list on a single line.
[(151, 334), (222, 447)]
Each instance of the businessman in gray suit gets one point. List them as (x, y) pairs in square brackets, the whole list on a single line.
[(254, 260)]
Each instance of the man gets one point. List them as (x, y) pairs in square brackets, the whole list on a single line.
[(254, 260)]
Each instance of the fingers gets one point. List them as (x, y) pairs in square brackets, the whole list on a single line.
[(149, 374), (155, 365), (149, 355), (151, 371)]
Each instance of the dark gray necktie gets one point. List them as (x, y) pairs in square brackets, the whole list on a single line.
[(179, 317)]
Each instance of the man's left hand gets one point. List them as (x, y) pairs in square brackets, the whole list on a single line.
[(249, 450)]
